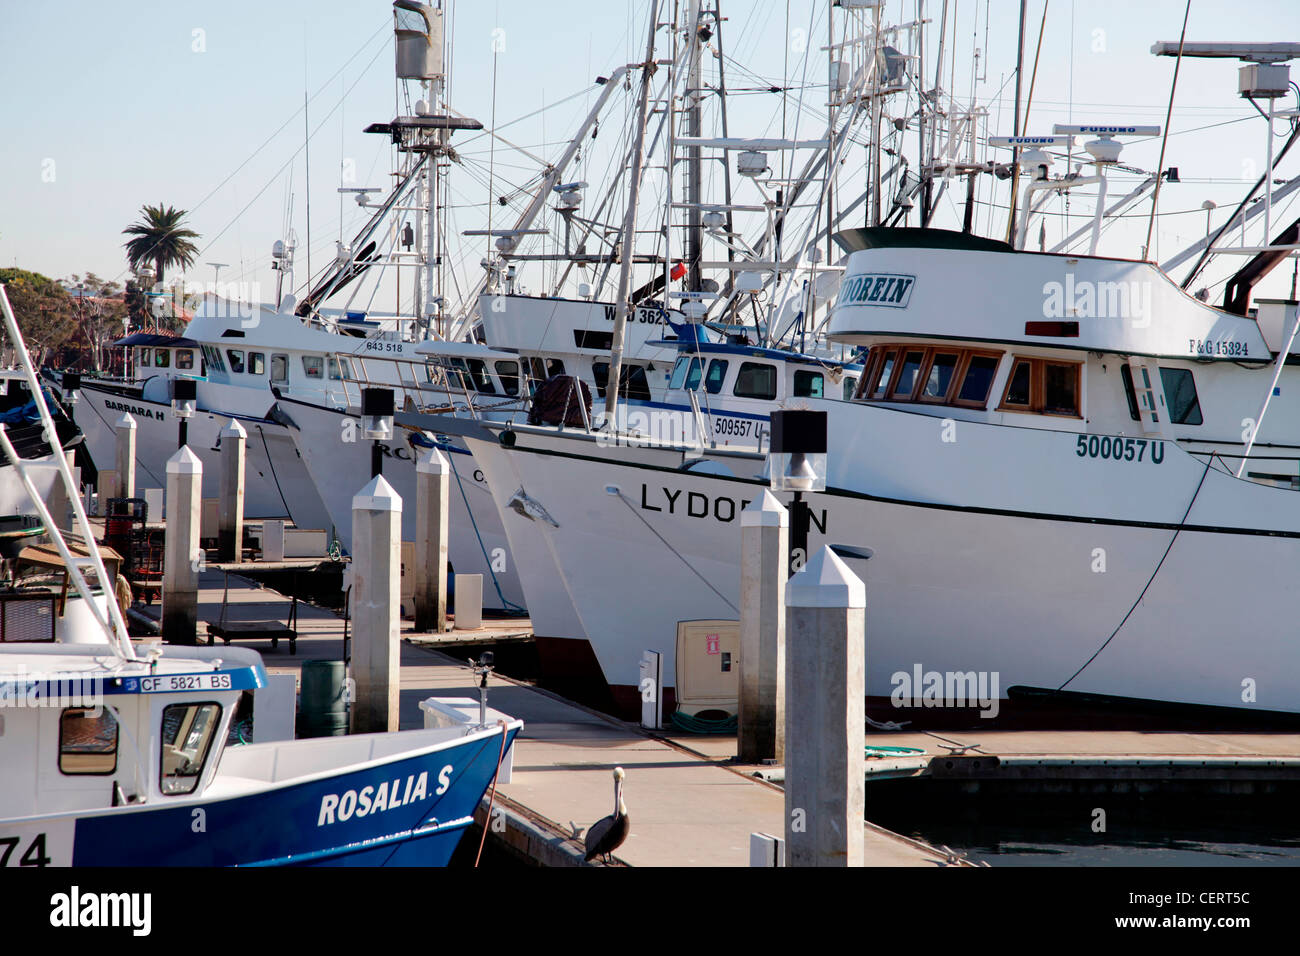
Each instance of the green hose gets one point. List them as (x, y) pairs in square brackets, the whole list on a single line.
[(702, 725)]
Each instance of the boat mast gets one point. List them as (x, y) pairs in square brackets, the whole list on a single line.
[(629, 225), (694, 231)]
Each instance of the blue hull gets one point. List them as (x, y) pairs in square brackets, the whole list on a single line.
[(389, 814)]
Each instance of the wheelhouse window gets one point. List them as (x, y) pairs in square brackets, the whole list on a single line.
[(187, 733), (213, 355), (904, 389), (554, 367), (87, 741), (508, 373), (313, 366), (236, 360), (755, 380), (849, 386), (716, 376), (162, 358), (939, 375), (1180, 395), (145, 357), (279, 368), (479, 377), (808, 384), (256, 363), (1043, 387), (332, 368), (185, 358), (686, 373), (633, 383)]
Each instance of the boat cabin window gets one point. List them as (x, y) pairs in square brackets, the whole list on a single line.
[(256, 363), (808, 384), (554, 367), (333, 369), (162, 358), (939, 375), (313, 366), (755, 380), (213, 355), (145, 357), (1180, 395), (684, 367), (632, 380), (479, 377), (717, 375), (87, 741), (508, 372), (236, 360), (849, 386), (279, 368), (187, 733), (185, 358), (1043, 387)]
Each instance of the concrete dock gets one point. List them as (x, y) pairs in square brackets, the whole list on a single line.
[(690, 802), (689, 806)]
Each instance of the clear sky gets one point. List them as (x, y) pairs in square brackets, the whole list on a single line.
[(198, 104)]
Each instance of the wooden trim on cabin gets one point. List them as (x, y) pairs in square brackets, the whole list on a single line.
[(1037, 387), (874, 367)]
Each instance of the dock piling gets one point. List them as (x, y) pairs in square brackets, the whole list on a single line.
[(825, 714), (376, 607), (125, 428), (764, 546), (230, 519), (181, 554), (433, 494)]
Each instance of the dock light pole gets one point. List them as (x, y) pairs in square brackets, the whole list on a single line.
[(377, 423), (184, 399), (797, 463), (71, 389)]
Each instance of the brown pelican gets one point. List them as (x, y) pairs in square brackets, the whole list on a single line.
[(608, 834)]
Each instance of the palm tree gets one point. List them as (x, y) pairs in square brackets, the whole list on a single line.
[(161, 239)]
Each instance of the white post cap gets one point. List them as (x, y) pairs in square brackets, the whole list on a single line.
[(184, 462), (434, 463), (825, 581), (377, 495), (765, 511), (234, 430), (126, 421)]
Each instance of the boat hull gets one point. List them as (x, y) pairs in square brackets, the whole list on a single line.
[(1153, 581), (276, 481), (339, 460), (316, 822)]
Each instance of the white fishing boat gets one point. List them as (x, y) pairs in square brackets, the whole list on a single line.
[(113, 758), (1074, 475)]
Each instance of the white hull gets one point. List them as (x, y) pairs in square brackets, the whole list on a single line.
[(276, 481), (339, 468), (996, 571)]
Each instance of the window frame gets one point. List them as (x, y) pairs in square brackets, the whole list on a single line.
[(236, 366), (320, 368), (256, 363), (117, 744), (185, 359), (766, 366), (212, 744), (1037, 387)]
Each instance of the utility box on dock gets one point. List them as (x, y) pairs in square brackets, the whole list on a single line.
[(708, 666)]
